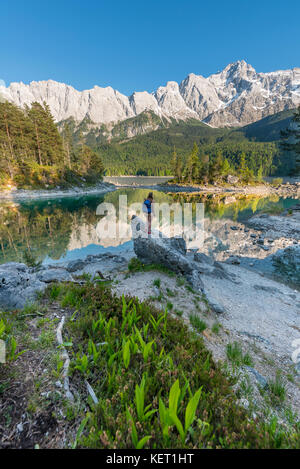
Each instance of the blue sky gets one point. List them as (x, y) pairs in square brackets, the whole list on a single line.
[(140, 45)]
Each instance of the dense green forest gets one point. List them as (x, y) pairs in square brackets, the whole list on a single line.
[(152, 154), (249, 162), (256, 145), (290, 139), (269, 128), (34, 154)]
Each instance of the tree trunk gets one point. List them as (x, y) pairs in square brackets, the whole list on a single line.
[(38, 144)]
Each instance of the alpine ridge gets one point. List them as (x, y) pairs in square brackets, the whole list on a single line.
[(236, 96)]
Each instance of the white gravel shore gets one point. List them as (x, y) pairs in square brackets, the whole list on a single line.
[(100, 188)]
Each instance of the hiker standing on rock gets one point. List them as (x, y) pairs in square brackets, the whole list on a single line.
[(148, 210)]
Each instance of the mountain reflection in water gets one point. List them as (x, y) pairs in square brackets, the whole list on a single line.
[(60, 229)]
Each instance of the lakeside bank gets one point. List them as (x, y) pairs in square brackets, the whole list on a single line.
[(15, 193)]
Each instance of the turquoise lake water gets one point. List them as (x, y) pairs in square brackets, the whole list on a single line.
[(66, 228)]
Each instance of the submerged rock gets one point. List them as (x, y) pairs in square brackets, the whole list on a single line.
[(277, 226)]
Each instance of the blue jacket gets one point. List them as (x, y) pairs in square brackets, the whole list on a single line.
[(148, 205)]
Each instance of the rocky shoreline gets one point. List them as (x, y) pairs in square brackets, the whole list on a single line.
[(14, 193), (286, 190)]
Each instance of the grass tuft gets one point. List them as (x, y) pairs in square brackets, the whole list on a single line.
[(197, 323), (235, 355), (135, 265)]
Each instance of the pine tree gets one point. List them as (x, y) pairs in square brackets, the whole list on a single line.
[(90, 163), (215, 170), (177, 166), (260, 173), (33, 153), (49, 144), (68, 144), (225, 169), (192, 171), (204, 168), (242, 164)]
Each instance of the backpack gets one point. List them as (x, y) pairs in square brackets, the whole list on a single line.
[(147, 206)]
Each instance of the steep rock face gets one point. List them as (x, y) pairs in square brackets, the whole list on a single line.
[(172, 103), (101, 105), (236, 96), (143, 101), (247, 96), (200, 95)]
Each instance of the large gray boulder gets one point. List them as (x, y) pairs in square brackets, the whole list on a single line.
[(203, 258), (163, 251), (54, 275), (18, 286), (287, 261), (169, 252), (75, 265)]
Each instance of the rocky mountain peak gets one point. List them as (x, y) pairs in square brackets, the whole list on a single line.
[(235, 96)]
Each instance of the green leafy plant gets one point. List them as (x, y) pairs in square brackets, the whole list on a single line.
[(143, 412), (11, 349), (135, 265), (92, 350), (146, 348), (126, 353), (2, 328), (138, 444), (80, 431), (82, 364), (134, 356), (156, 322), (169, 416), (178, 312)]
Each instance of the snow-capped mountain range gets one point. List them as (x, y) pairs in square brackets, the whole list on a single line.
[(236, 96)]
